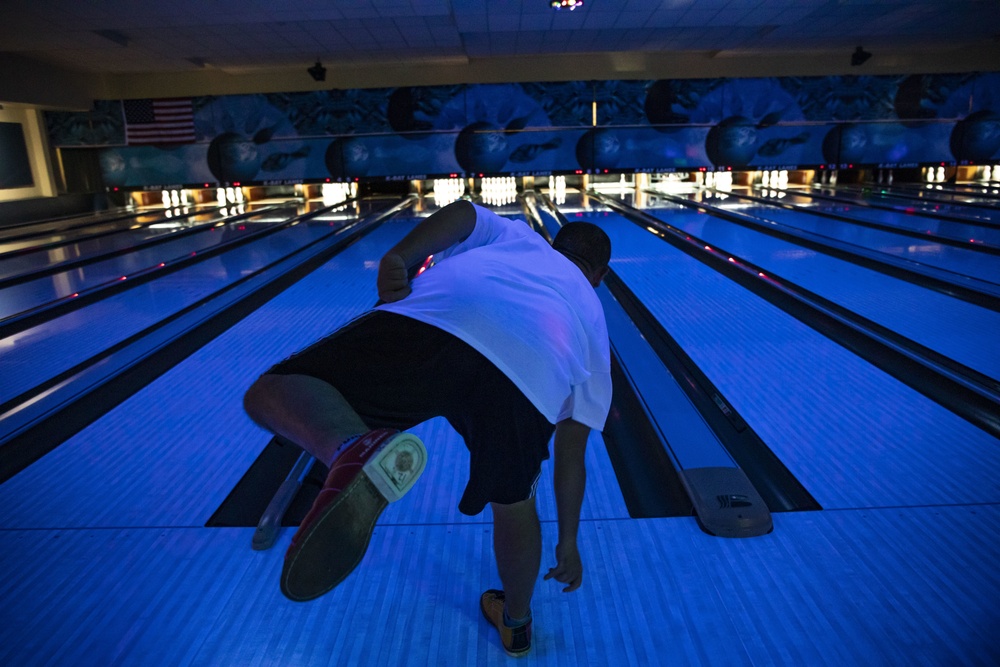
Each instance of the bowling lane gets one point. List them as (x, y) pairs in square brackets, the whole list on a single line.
[(13, 264), (42, 352), (178, 446), (956, 260), (32, 294), (853, 435), (66, 222), (60, 236), (934, 202), (955, 328), (962, 198), (847, 206), (170, 454)]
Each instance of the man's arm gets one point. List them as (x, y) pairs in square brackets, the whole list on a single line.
[(439, 231), (570, 481)]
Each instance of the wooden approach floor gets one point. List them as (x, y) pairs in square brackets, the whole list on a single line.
[(105, 560)]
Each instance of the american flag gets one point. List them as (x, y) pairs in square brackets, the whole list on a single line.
[(166, 121)]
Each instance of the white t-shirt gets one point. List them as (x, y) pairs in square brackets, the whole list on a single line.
[(527, 309)]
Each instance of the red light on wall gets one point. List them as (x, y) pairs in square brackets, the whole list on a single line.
[(123, 278)]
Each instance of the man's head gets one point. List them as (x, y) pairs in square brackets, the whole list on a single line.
[(587, 246)]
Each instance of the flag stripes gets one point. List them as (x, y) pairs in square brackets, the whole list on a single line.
[(165, 121)]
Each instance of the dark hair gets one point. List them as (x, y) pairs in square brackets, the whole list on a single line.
[(585, 243)]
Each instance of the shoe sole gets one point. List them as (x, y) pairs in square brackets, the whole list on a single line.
[(339, 537)]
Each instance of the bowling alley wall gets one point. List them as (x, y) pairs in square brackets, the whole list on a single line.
[(540, 128)]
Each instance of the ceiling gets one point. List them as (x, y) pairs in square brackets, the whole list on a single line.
[(129, 47)]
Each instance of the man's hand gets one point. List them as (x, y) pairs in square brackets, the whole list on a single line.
[(439, 231), (393, 282), (568, 569)]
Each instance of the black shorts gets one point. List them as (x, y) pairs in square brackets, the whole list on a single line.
[(397, 372)]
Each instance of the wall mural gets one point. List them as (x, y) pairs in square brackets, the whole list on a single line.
[(540, 128)]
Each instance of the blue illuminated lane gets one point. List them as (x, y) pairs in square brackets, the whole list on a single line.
[(958, 193), (22, 262), (69, 222), (955, 328), (853, 435), (960, 261), (953, 204), (194, 413), (958, 231), (42, 352), (104, 546), (82, 233), (980, 193), (22, 297)]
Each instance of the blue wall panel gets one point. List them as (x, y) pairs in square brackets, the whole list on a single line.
[(524, 128)]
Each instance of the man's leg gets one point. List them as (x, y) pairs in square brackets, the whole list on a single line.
[(376, 469), (307, 411), (517, 545)]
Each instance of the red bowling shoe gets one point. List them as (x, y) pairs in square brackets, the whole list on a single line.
[(376, 469)]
